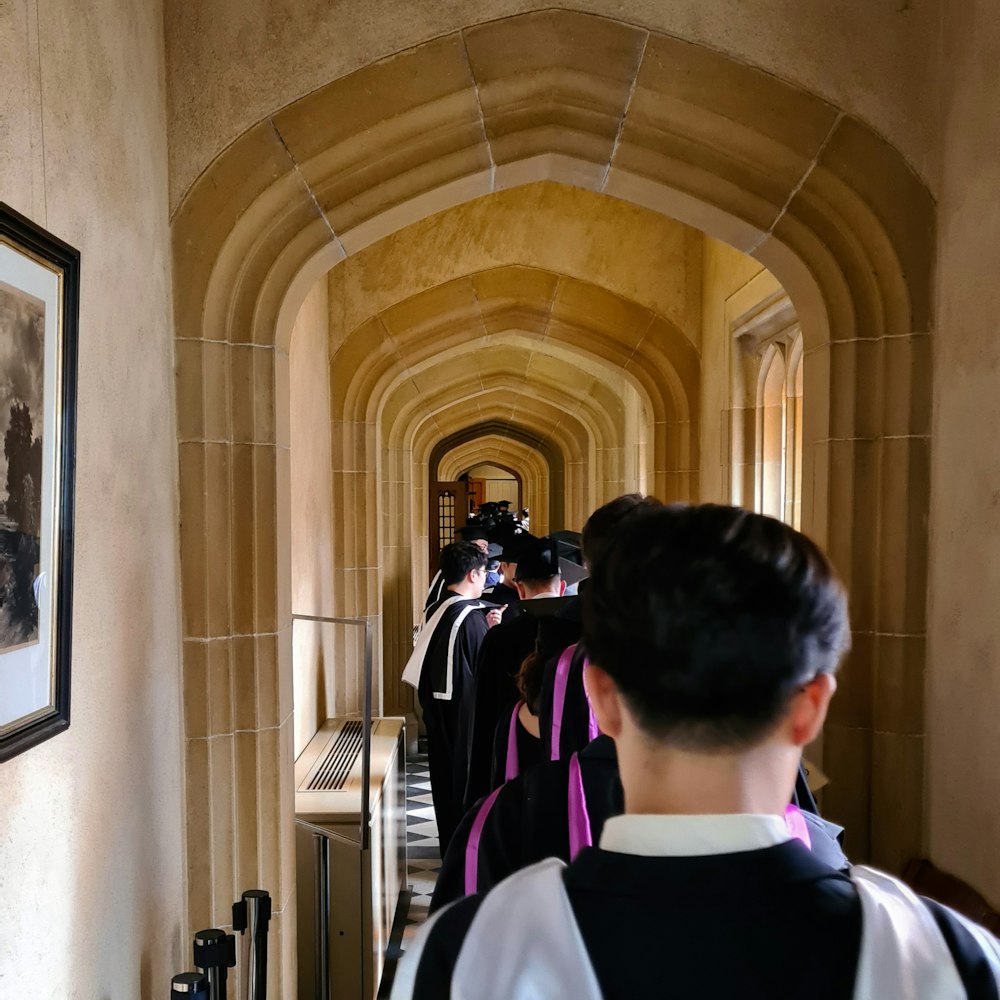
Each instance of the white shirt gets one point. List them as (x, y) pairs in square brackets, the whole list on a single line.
[(692, 836)]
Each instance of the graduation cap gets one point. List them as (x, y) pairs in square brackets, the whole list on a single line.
[(570, 546), (570, 556), (538, 560), (572, 572), (512, 542), (472, 532)]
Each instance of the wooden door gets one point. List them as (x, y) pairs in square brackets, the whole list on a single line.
[(477, 494), (449, 504)]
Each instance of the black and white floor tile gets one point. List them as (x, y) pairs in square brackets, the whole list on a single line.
[(422, 845), (423, 862)]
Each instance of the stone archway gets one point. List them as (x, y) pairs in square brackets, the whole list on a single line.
[(552, 461), (816, 195)]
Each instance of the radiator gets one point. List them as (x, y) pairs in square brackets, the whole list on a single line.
[(348, 884)]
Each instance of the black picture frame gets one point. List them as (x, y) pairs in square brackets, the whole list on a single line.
[(28, 250)]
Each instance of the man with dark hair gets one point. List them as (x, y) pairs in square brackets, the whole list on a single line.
[(441, 668), (469, 533), (599, 532), (564, 715), (715, 635), (494, 688)]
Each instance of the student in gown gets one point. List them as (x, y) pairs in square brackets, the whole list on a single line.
[(564, 711), (511, 543), (714, 636), (517, 746), (441, 668), (494, 688)]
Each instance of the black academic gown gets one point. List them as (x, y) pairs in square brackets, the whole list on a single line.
[(529, 748), (503, 594), (529, 821), (493, 691), (442, 714), (575, 730), (434, 594), (758, 925)]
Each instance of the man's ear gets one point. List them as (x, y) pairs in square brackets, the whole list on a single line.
[(605, 699), (522, 590), (808, 707)]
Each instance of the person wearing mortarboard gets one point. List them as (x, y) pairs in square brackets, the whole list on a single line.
[(512, 542), (494, 690)]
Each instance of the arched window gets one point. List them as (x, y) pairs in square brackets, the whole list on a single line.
[(770, 492), (793, 434), (765, 409)]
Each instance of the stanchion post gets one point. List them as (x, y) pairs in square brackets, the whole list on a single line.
[(189, 986), (214, 954), (251, 916)]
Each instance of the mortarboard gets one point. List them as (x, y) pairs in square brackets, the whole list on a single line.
[(472, 532), (538, 560)]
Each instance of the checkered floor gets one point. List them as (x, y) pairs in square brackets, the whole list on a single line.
[(423, 862), (423, 849)]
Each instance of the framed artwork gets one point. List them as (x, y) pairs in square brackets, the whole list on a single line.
[(39, 312)]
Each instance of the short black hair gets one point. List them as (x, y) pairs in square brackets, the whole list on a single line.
[(599, 531), (458, 560), (708, 618)]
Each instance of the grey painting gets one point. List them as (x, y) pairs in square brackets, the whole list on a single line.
[(22, 333)]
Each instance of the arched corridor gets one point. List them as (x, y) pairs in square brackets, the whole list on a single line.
[(787, 188), (691, 251)]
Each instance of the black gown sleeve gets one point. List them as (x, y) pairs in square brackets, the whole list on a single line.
[(973, 968), (500, 847), (450, 884), (441, 950), (482, 708)]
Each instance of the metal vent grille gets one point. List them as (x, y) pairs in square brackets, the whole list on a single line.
[(335, 768)]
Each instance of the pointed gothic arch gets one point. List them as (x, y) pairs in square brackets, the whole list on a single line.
[(816, 195)]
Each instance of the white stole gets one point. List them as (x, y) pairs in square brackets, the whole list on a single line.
[(415, 664), (904, 955)]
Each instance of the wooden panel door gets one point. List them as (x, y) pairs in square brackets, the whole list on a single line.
[(449, 504)]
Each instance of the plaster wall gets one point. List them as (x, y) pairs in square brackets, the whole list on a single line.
[(726, 271), (312, 516), (92, 873), (874, 58), (963, 683)]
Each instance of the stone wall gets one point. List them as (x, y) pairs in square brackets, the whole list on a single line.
[(876, 60), (963, 689), (92, 873)]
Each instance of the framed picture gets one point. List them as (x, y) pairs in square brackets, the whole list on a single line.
[(39, 312)]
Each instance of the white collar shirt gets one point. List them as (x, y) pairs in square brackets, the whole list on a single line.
[(692, 836)]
